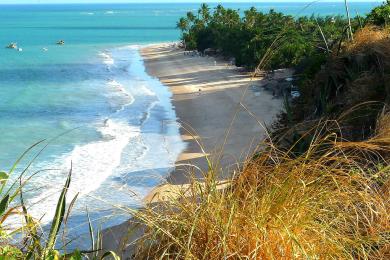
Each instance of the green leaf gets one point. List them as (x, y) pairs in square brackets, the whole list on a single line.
[(3, 176), (76, 255), (4, 204), (59, 214)]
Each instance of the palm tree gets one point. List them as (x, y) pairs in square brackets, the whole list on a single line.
[(219, 11), (182, 24), (250, 17), (191, 17), (231, 17), (205, 12)]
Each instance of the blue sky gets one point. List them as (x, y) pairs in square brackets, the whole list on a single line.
[(157, 1)]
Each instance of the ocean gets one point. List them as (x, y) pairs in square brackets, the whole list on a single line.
[(93, 103)]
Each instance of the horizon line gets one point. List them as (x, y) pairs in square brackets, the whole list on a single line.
[(200, 2)]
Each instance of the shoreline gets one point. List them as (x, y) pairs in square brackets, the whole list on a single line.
[(206, 96)]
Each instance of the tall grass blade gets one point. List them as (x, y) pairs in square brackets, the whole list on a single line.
[(359, 20), (323, 37), (67, 217), (59, 214), (91, 233), (349, 20)]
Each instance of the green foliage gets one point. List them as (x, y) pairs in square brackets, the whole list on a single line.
[(380, 15), (76, 255), (350, 87), (10, 252), (248, 38)]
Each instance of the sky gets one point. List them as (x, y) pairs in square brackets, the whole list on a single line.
[(158, 1)]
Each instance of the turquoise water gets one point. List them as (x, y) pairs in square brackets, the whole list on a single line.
[(121, 130)]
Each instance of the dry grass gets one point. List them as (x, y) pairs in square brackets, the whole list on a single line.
[(362, 72), (366, 37), (329, 203)]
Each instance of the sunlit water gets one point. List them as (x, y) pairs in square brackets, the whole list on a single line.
[(93, 102)]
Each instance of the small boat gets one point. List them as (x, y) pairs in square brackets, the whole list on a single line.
[(61, 42), (20, 49), (12, 46), (45, 49)]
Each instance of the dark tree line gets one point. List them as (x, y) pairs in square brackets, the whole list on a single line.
[(287, 41)]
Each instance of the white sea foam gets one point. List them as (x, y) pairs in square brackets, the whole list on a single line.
[(92, 164), (107, 59), (118, 95)]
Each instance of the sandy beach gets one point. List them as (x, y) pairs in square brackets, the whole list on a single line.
[(223, 112), (218, 106)]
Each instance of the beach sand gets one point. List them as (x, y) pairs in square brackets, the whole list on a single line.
[(217, 105), (209, 97)]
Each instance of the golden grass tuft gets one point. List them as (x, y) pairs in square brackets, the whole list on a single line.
[(331, 202), (366, 37)]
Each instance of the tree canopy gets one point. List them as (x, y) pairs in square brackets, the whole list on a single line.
[(250, 37)]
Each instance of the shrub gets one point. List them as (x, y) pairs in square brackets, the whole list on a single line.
[(380, 15)]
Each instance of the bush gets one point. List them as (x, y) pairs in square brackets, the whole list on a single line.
[(380, 16)]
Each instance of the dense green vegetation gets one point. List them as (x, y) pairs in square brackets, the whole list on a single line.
[(283, 39), (248, 38), (380, 15), (350, 85)]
